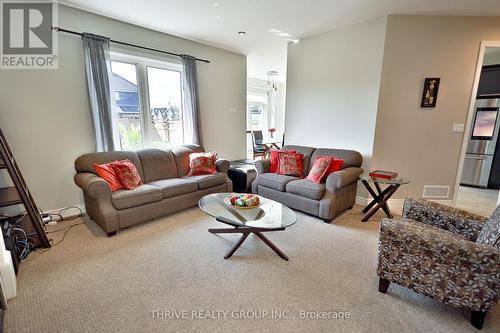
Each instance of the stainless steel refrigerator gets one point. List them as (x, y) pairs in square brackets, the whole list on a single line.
[(482, 143)]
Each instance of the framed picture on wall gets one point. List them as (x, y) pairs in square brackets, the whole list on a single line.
[(430, 92)]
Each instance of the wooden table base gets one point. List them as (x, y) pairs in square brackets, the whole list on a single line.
[(246, 231), (379, 200)]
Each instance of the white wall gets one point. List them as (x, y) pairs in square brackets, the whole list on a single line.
[(332, 88), (45, 113), (418, 142)]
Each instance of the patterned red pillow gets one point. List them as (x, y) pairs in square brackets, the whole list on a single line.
[(319, 169), (202, 163), (274, 158), (127, 174), (291, 164), (106, 172)]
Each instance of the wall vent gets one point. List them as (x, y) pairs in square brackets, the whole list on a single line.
[(436, 191)]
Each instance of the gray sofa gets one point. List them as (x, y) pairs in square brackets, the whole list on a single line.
[(165, 189), (326, 200)]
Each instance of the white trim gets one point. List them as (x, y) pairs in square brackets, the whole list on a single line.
[(470, 114), (54, 211), (362, 201), (396, 205)]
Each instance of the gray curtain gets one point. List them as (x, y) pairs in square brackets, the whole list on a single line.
[(97, 68), (191, 112)]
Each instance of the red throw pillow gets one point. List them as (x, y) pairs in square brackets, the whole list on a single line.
[(291, 165), (274, 158), (202, 163), (335, 165), (106, 172), (319, 169), (127, 174)]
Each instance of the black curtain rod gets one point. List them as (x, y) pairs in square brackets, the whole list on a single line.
[(128, 44)]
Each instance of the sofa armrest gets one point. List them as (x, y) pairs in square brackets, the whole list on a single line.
[(438, 263), (448, 218), (263, 166), (94, 186), (222, 165), (341, 178)]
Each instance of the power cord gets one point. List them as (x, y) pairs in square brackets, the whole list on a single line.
[(50, 217), (26, 243), (51, 241)]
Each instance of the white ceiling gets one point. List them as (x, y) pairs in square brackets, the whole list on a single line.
[(216, 22)]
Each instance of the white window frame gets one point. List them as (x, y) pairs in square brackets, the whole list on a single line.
[(141, 63)]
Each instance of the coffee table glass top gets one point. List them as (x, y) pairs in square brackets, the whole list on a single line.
[(268, 215), (395, 181)]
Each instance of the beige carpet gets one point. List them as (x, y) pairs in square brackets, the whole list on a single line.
[(91, 283)]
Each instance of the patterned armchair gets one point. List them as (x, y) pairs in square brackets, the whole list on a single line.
[(444, 253)]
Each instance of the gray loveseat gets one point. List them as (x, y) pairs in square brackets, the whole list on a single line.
[(326, 200), (166, 187)]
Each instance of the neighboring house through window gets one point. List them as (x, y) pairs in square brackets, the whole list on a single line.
[(147, 102)]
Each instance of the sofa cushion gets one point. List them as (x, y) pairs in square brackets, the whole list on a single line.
[(175, 186), (157, 164), (306, 188), (140, 195), (275, 181), (206, 181)]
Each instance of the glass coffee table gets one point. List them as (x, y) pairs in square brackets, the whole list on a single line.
[(268, 216)]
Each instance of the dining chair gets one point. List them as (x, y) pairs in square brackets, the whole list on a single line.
[(259, 149)]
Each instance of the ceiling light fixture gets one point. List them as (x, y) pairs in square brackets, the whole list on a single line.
[(274, 30), (295, 41), (271, 82), (215, 4), (283, 34), (242, 32)]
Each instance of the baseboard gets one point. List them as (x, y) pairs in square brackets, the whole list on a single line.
[(362, 201), (396, 205), (55, 211)]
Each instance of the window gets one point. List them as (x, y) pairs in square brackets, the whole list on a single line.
[(257, 104), (147, 102)]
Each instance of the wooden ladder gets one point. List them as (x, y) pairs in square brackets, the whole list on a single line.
[(19, 194)]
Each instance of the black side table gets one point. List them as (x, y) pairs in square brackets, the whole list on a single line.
[(380, 197), (242, 176)]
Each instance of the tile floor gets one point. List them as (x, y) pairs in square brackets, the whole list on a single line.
[(477, 200)]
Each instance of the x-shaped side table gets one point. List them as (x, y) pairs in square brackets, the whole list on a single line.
[(379, 199)]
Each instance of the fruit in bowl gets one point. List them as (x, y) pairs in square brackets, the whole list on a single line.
[(244, 200)]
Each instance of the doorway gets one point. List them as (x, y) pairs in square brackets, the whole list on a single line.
[(478, 178)]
